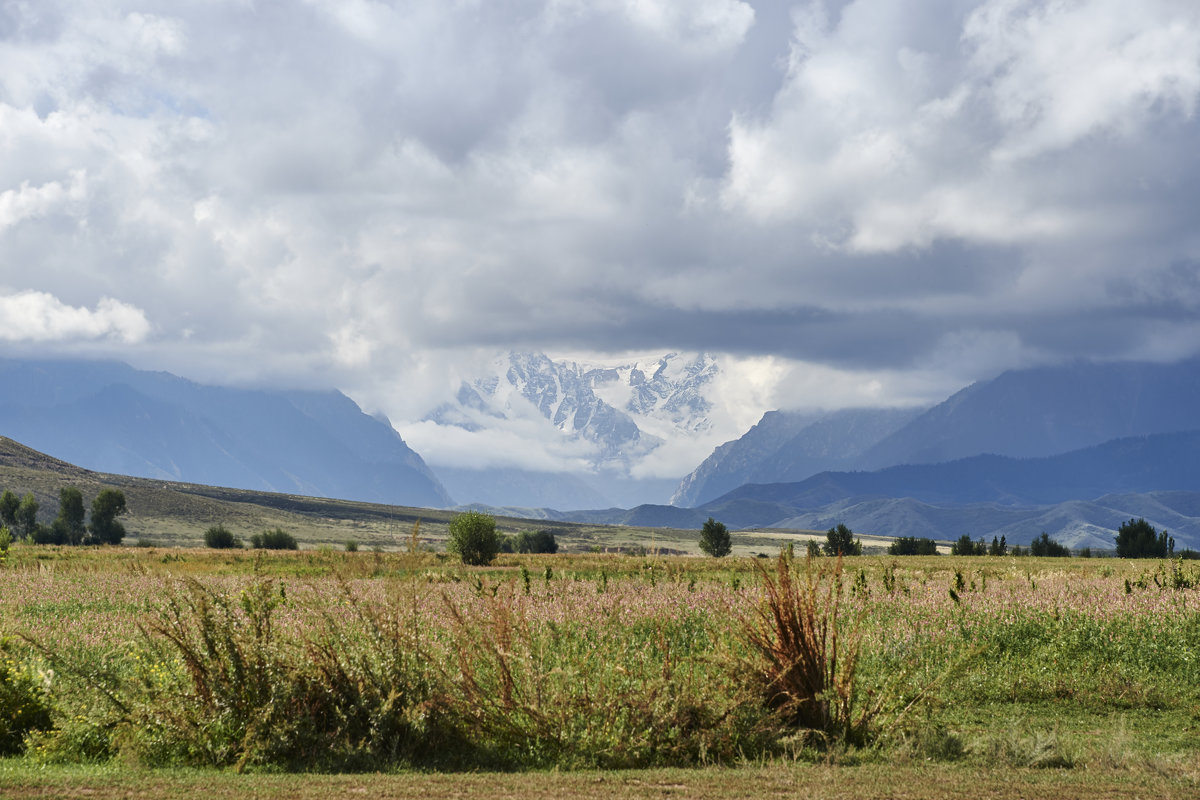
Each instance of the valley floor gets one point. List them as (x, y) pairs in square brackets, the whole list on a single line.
[(328, 674)]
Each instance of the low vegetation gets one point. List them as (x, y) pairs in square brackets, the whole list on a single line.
[(346, 661)]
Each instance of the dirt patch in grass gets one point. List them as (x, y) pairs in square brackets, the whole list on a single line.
[(827, 783)]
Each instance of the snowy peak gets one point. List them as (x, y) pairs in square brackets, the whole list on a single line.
[(621, 412)]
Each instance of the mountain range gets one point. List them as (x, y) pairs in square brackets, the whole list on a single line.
[(609, 418), (108, 417)]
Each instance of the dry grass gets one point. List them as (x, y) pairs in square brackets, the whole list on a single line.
[(809, 653)]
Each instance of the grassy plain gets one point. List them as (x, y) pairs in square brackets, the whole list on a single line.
[(994, 677)]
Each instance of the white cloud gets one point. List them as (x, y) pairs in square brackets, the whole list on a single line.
[(40, 317)]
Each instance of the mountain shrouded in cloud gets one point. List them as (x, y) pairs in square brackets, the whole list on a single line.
[(612, 427), (851, 203)]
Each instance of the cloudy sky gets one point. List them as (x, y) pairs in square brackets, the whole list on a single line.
[(853, 202)]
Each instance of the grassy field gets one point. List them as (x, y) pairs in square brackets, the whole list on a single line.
[(165, 669)]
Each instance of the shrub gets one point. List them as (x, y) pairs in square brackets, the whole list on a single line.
[(1045, 546), (218, 537), (277, 539), (807, 661), (473, 537), (839, 541), (535, 542), (912, 546), (1138, 539), (347, 696), (23, 704), (714, 539), (351, 546)]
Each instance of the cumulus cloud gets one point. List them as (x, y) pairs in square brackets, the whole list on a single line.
[(42, 317)]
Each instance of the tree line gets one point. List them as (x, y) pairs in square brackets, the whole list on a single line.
[(71, 526)]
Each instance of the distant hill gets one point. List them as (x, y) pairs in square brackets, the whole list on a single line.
[(109, 417), (1026, 413), (790, 446), (1169, 461), (1048, 410)]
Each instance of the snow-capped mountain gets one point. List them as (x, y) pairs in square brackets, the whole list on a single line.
[(602, 420), (620, 413)]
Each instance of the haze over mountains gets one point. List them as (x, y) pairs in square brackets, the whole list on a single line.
[(109, 417), (1073, 450)]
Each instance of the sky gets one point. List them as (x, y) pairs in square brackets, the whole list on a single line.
[(852, 203)]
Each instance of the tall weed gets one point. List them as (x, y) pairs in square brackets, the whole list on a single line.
[(807, 656)]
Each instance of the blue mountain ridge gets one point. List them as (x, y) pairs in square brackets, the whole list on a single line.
[(109, 417)]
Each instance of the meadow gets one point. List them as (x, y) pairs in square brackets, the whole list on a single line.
[(149, 670)]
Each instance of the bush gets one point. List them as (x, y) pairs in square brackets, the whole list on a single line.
[(337, 700), (277, 539), (807, 661), (714, 539), (218, 537), (535, 542), (351, 546), (473, 537), (1045, 546), (23, 704), (912, 546), (840, 541), (1138, 539)]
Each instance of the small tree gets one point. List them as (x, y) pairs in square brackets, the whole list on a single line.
[(999, 547), (27, 513), (840, 541), (1045, 546), (1138, 539), (69, 525), (9, 503), (219, 537), (714, 539), (965, 547), (912, 546), (473, 537), (107, 506)]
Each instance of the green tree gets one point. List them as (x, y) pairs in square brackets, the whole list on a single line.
[(965, 547), (473, 537), (106, 507), (26, 515), (1045, 546), (69, 525), (912, 546), (9, 503), (999, 547), (1138, 539), (840, 540), (714, 539)]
